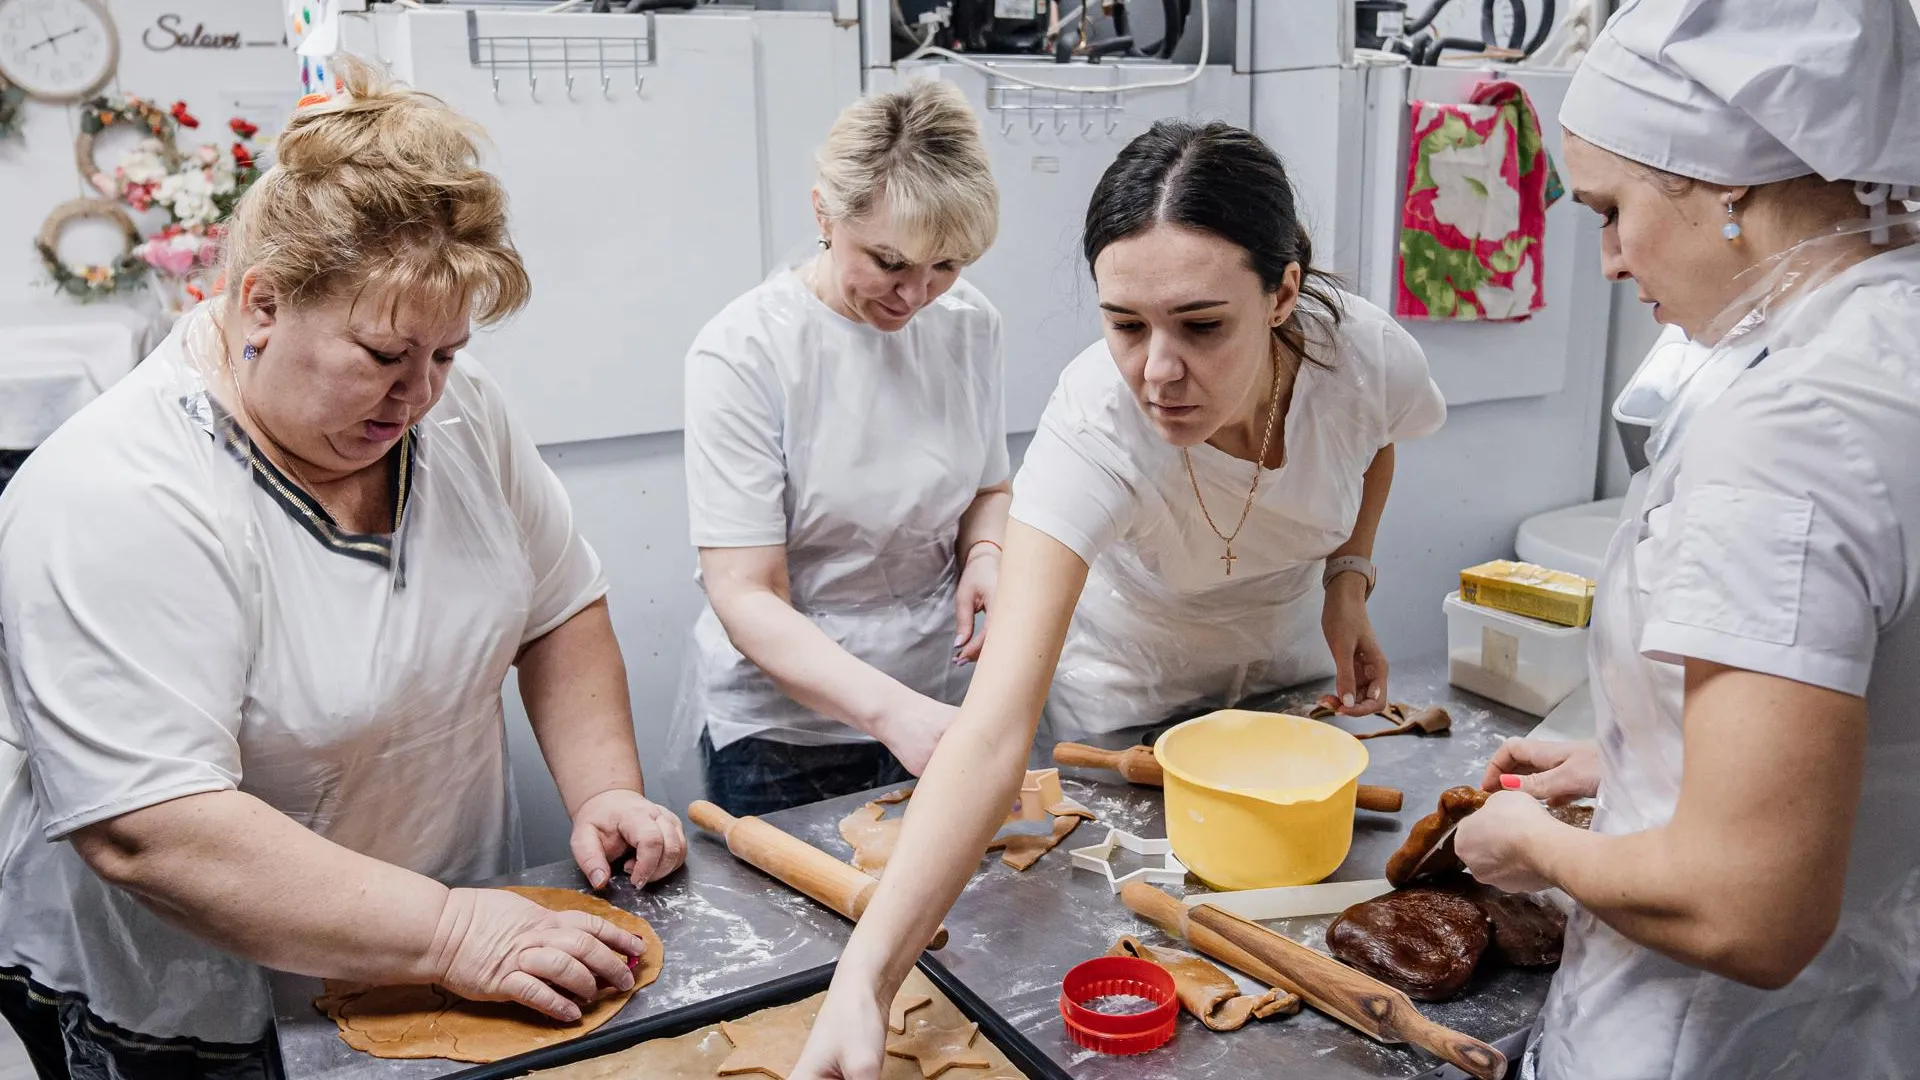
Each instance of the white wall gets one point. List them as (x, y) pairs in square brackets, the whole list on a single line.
[(257, 79)]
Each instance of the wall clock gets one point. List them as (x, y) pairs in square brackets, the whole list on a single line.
[(57, 50)]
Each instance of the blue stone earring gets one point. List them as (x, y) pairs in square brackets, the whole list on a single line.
[(1731, 230), (249, 353)]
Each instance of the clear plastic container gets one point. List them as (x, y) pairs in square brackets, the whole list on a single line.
[(1520, 662)]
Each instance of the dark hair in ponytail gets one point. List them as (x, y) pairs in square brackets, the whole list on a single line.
[(1223, 180)]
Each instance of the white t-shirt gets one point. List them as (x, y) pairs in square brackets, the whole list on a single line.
[(1161, 627), (858, 449), (177, 619)]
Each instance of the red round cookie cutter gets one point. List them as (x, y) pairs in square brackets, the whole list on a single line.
[(1109, 1033)]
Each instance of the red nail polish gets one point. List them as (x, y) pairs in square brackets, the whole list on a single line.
[(1510, 781)]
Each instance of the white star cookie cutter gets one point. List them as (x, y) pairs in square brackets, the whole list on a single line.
[(1099, 859)]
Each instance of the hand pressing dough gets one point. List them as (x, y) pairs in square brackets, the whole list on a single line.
[(428, 1022), (937, 1047), (700, 1055), (1432, 834), (874, 835), (1424, 941), (1208, 993)]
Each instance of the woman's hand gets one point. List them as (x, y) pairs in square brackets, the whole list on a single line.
[(913, 728), (978, 579), (616, 821), (1497, 842), (1360, 679), (848, 1041), (493, 945), (1555, 772)]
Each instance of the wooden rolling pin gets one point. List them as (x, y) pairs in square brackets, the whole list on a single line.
[(1138, 766), (809, 870), (1359, 1001)]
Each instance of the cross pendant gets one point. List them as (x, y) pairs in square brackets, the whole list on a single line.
[(1228, 559)]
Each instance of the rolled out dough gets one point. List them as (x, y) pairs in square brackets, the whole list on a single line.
[(699, 1055), (428, 1022)]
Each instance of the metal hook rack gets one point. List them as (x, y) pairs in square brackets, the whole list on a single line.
[(1063, 108), (603, 54)]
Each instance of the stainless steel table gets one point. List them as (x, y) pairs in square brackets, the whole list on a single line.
[(726, 927)]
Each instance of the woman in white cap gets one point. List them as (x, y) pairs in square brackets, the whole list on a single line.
[(847, 472), (1213, 474), (1749, 895)]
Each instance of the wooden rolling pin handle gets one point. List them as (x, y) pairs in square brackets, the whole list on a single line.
[(1136, 764), (1086, 757), (814, 873), (1348, 994), (1381, 800), (1469, 1055)]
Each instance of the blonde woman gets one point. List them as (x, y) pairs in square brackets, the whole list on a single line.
[(257, 602), (847, 471)]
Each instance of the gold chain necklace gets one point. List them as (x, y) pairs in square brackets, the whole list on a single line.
[(1273, 419)]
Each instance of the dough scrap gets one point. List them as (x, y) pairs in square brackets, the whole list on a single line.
[(938, 1047), (1208, 993), (874, 835), (429, 1022), (1426, 942)]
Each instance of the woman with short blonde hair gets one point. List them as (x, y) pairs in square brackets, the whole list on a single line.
[(256, 605), (847, 471)]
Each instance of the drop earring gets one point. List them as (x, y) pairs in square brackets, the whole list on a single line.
[(249, 353), (1731, 230)]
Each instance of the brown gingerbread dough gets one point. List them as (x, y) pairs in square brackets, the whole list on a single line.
[(1432, 834), (1208, 993), (428, 1022), (700, 1055), (1424, 941), (873, 834), (1527, 930)]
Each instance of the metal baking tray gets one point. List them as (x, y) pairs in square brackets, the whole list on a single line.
[(783, 991)]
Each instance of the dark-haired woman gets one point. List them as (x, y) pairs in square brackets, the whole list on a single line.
[(1204, 482)]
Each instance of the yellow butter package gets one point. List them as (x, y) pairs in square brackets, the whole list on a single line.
[(1553, 596)]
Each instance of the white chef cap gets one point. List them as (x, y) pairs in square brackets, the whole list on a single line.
[(1740, 92)]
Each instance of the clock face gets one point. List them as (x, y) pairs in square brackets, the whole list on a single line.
[(57, 50)]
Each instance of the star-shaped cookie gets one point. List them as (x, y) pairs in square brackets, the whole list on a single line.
[(938, 1049)]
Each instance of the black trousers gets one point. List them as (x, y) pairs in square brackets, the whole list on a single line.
[(66, 1041), (758, 776)]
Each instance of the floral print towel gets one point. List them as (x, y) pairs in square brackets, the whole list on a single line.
[(1478, 186)]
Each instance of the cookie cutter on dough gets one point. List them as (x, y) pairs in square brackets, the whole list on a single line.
[(1099, 859)]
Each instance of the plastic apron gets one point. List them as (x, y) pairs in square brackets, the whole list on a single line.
[(1620, 1011), (368, 709), (1134, 655)]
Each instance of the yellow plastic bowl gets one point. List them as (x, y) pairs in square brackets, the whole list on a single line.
[(1259, 800)]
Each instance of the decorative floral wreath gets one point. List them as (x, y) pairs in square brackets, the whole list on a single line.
[(12, 109), (103, 113), (90, 282)]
